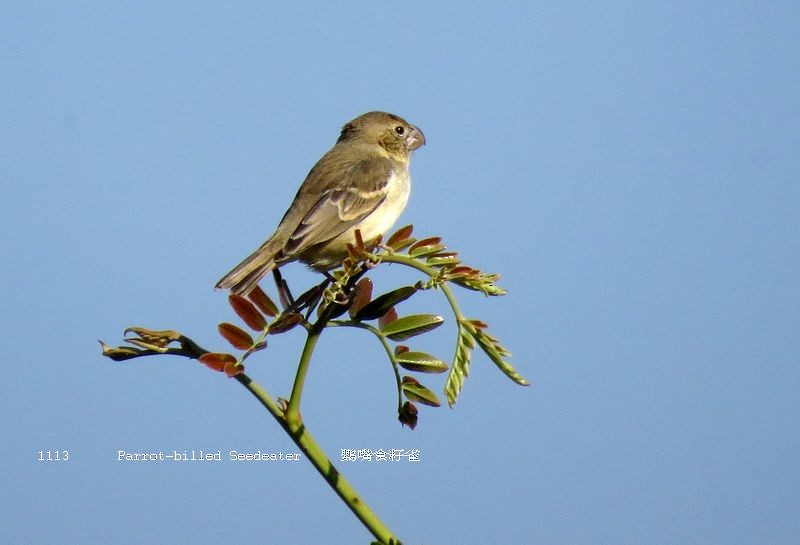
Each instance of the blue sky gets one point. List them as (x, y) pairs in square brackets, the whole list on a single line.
[(631, 170)]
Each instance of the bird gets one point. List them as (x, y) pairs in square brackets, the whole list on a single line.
[(362, 182)]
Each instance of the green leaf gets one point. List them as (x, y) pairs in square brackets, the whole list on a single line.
[(421, 362), (459, 371), (409, 326), (476, 281), (471, 333), (378, 306), (415, 391), (496, 352), (444, 258)]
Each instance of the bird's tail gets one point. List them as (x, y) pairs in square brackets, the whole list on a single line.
[(244, 276)]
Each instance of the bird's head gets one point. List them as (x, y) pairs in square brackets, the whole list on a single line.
[(391, 132)]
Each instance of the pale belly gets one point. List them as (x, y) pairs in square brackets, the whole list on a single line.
[(374, 225)]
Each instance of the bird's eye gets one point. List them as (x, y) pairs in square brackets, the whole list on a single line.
[(401, 130)]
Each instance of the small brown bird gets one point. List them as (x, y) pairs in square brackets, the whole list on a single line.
[(361, 183)]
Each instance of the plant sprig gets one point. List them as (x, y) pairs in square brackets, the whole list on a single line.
[(348, 290)]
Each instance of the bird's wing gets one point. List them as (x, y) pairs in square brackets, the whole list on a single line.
[(361, 189)]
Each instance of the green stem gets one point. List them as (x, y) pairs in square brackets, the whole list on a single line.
[(262, 396), (293, 409), (448, 293), (292, 423), (314, 331), (313, 451), (431, 272), (389, 351)]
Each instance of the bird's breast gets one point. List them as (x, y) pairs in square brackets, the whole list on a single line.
[(385, 215), (375, 224)]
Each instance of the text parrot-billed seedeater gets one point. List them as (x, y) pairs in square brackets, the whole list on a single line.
[(362, 182)]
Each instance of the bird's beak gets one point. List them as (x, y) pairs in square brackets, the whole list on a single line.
[(415, 139)]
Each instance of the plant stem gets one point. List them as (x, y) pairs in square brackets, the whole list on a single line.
[(314, 331), (451, 299), (388, 349), (292, 422), (293, 409), (432, 273), (309, 446)]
